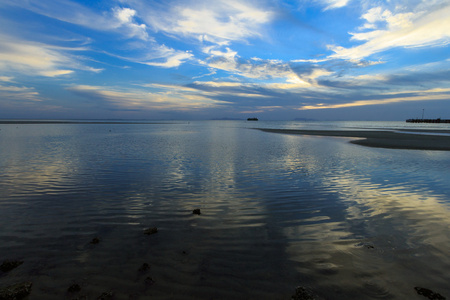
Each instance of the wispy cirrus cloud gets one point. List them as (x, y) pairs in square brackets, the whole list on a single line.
[(117, 20), (217, 22), (37, 58), (277, 73), (155, 97), (14, 94), (425, 96), (331, 4), (18, 93), (384, 30)]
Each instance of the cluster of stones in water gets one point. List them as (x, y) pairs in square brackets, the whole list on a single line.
[(21, 290), (9, 265), (151, 230), (429, 293), (95, 241), (16, 291)]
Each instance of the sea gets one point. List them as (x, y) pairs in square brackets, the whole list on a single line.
[(281, 216)]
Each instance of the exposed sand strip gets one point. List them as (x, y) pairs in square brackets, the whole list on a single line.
[(382, 139)]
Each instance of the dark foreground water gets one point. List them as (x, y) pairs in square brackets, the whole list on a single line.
[(277, 211)]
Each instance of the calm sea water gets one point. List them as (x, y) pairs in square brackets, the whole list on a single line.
[(277, 211)]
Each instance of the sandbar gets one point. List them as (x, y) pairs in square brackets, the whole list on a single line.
[(425, 140)]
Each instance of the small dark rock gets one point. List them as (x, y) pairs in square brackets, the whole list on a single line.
[(144, 267), (196, 211), (429, 293), (184, 252), (302, 293), (151, 230), (74, 288), (106, 296), (149, 281), (9, 265), (365, 245), (95, 241), (16, 291)]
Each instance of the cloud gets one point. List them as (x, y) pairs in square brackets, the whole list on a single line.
[(6, 78), (27, 57), (67, 11), (32, 58), (229, 89), (332, 4), (210, 23), (259, 69), (118, 19), (162, 56), (426, 95), (217, 22), (156, 97), (13, 94), (125, 19), (427, 28)]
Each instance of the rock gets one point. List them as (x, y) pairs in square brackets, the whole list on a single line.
[(196, 211), (365, 245), (16, 291), (149, 281), (302, 293), (151, 230), (9, 265), (144, 267), (95, 241), (106, 296), (74, 288), (429, 293)]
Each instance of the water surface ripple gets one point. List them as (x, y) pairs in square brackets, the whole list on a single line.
[(277, 211)]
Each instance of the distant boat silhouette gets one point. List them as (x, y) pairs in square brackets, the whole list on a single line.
[(252, 119)]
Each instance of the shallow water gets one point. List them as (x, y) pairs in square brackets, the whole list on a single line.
[(277, 211)]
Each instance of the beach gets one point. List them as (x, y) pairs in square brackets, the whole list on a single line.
[(422, 140)]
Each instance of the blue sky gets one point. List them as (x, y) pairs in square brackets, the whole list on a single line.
[(277, 60)]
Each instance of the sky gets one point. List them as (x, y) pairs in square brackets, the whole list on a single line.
[(209, 59)]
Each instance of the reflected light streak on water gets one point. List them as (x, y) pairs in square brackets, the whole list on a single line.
[(278, 211)]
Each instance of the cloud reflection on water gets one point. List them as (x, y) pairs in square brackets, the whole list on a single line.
[(277, 211), (394, 225)]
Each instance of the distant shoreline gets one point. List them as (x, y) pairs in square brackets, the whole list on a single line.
[(381, 139), (80, 122)]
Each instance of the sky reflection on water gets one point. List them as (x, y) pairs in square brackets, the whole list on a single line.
[(278, 211)]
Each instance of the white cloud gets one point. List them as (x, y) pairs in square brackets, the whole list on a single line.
[(167, 57), (215, 22), (66, 11), (6, 78), (125, 18), (427, 28), (36, 58), (253, 69), (156, 97), (331, 4), (13, 94), (119, 20), (428, 95)]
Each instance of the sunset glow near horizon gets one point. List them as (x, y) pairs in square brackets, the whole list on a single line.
[(276, 60)]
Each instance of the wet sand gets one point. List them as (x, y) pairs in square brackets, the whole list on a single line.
[(383, 139)]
